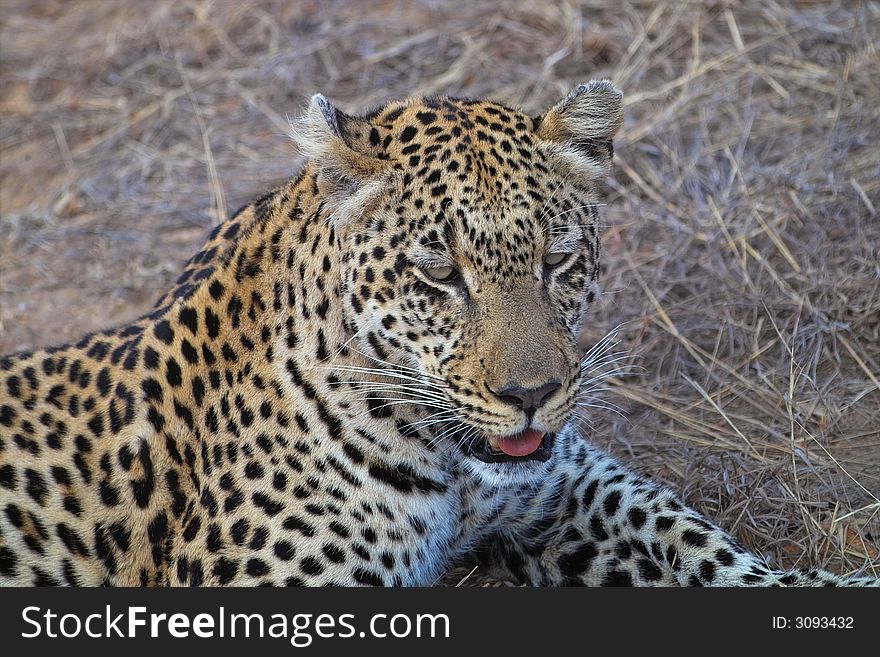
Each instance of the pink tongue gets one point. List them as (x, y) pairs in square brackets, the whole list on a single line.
[(521, 444)]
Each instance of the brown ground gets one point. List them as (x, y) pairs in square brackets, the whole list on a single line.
[(741, 247)]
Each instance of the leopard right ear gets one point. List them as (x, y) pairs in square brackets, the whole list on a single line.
[(345, 150), (338, 143)]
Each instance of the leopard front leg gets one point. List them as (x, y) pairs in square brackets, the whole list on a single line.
[(593, 523)]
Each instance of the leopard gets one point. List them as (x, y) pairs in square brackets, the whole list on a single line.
[(366, 375)]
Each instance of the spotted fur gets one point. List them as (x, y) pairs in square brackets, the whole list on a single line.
[(312, 404)]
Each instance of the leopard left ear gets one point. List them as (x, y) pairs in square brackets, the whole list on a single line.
[(346, 154), (587, 119)]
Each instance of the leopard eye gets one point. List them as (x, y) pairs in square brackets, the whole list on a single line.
[(555, 259), (443, 274)]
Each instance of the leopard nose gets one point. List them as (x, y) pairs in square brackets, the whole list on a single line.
[(528, 400)]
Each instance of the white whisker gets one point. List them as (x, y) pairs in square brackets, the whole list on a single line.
[(400, 366), (377, 372)]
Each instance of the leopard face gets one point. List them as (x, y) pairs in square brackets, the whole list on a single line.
[(470, 257)]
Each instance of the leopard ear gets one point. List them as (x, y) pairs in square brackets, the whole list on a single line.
[(586, 119), (345, 151), (340, 144)]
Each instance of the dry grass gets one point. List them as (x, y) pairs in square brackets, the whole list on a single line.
[(741, 250)]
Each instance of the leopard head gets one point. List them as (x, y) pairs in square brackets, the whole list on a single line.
[(469, 247)]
